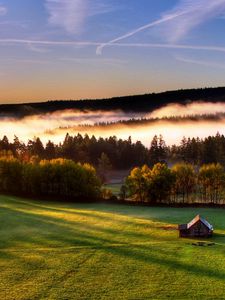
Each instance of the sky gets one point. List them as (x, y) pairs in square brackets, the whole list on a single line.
[(78, 49)]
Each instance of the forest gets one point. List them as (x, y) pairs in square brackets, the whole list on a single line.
[(122, 154), (192, 172)]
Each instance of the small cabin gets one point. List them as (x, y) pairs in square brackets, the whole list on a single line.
[(198, 227)]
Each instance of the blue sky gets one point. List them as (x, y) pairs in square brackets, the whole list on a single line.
[(72, 49)]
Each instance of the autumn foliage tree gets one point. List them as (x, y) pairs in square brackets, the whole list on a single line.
[(211, 180), (161, 182), (137, 183), (151, 185), (185, 180)]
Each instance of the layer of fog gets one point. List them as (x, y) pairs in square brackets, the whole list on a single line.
[(195, 108), (173, 132), (54, 126)]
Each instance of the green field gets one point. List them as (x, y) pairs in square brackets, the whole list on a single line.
[(100, 251), (114, 187)]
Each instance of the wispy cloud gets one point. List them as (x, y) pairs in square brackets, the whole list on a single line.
[(195, 13), (3, 10), (71, 15), (48, 42), (200, 62), (37, 49), (96, 44), (180, 20), (170, 46)]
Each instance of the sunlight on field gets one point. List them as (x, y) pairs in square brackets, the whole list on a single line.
[(100, 251)]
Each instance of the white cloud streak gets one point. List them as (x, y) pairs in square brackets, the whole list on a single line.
[(96, 44), (139, 29), (180, 20), (47, 42)]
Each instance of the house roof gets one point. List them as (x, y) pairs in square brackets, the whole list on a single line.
[(199, 218)]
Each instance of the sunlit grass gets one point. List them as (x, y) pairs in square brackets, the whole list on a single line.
[(99, 251)]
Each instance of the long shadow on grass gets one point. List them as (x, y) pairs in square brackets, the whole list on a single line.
[(26, 208), (50, 231), (42, 231), (101, 215), (63, 233), (45, 231), (78, 210), (95, 229), (158, 214), (140, 253), (70, 210)]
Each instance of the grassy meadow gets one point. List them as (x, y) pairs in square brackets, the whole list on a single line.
[(98, 251)]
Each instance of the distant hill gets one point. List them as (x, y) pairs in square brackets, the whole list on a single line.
[(138, 103)]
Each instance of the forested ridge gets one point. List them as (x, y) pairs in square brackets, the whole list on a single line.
[(136, 103)]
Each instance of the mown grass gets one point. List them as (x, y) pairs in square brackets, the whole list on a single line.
[(99, 251)]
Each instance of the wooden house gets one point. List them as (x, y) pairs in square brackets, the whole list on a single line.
[(198, 227)]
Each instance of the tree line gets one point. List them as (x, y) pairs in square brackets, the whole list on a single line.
[(146, 121), (181, 184), (59, 179), (64, 179), (122, 154)]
